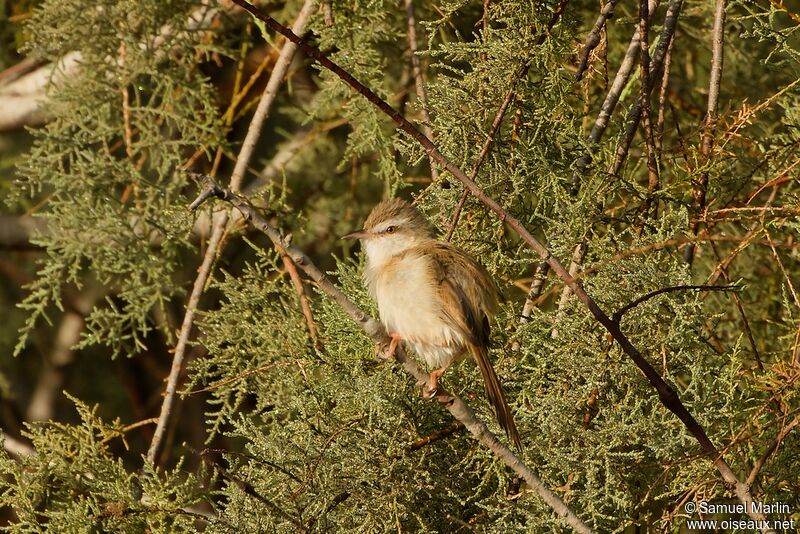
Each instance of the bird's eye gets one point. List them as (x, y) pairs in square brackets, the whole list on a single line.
[(391, 229)]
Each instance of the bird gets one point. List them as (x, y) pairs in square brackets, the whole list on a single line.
[(431, 295)]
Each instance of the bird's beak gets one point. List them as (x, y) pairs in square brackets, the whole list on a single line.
[(358, 234)]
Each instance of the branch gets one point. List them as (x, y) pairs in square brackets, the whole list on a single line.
[(436, 436), (599, 128), (419, 81), (617, 316), (644, 98), (248, 489), (656, 66), (699, 187), (457, 407), (593, 39), (751, 479), (16, 231), (167, 404), (15, 447), (667, 395), (611, 101), (22, 101), (218, 230), (498, 119), (536, 289), (291, 268)]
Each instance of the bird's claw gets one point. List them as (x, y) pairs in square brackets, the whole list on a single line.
[(430, 388), (428, 391), (380, 354), (391, 349)]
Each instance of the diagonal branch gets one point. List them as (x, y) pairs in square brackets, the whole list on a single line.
[(656, 67), (762, 460), (593, 39), (457, 407), (611, 100)]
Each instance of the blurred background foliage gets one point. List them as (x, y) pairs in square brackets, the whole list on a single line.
[(286, 426)]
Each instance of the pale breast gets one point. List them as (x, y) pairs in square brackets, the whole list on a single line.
[(409, 305)]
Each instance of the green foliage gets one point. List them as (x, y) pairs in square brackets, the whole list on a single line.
[(72, 483), (317, 434), (108, 161)]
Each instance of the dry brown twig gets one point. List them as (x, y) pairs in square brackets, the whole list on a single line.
[(291, 268), (419, 80), (762, 460), (593, 39), (700, 185)]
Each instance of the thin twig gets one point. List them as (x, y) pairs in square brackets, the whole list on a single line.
[(301, 296), (740, 309), (537, 285), (218, 230), (667, 395), (248, 489), (457, 407), (783, 269), (124, 430), (610, 101), (593, 39), (662, 96), (536, 289), (617, 316), (700, 186), (436, 436), (656, 66), (240, 376), (167, 404), (751, 478), (575, 263), (644, 98), (498, 119), (796, 344), (419, 80), (609, 104)]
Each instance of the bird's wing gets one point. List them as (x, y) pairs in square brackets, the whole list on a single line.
[(467, 287), (468, 296)]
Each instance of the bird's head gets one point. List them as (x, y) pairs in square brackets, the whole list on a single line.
[(392, 227)]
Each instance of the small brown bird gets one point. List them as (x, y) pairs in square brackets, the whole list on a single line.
[(431, 295)]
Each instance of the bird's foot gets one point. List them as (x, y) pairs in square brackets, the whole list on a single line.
[(429, 390), (391, 350)]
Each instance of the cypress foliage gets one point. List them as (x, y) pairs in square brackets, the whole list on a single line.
[(279, 430)]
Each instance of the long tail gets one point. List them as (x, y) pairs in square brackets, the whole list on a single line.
[(497, 397)]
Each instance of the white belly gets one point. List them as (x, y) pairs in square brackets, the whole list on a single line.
[(409, 305)]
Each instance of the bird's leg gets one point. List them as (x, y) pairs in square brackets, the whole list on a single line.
[(429, 390), (390, 352)]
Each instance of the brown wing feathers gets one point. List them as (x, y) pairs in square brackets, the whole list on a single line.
[(475, 325)]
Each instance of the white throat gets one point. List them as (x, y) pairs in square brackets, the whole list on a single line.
[(382, 250)]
